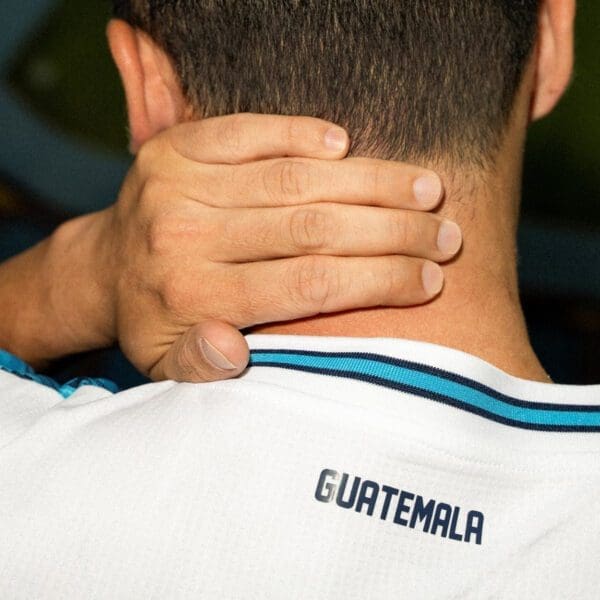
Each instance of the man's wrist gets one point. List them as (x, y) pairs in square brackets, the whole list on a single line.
[(81, 285), (58, 297)]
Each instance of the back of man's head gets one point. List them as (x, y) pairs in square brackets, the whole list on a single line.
[(419, 80)]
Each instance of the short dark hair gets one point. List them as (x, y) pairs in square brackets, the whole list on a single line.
[(415, 80)]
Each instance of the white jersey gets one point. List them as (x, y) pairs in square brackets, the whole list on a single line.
[(335, 468)]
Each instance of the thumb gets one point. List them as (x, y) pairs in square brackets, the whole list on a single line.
[(209, 351)]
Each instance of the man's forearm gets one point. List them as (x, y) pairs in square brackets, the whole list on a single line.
[(54, 297)]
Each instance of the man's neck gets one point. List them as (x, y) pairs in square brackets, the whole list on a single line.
[(479, 310)]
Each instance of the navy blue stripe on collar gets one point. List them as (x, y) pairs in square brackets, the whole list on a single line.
[(438, 385)]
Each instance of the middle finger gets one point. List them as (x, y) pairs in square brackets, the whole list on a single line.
[(249, 235)]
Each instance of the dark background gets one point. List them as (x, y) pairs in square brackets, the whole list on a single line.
[(63, 152)]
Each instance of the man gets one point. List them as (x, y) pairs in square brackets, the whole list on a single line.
[(347, 462)]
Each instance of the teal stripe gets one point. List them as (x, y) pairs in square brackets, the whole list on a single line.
[(432, 384), (15, 366)]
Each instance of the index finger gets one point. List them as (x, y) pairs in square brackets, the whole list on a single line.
[(298, 181), (245, 137)]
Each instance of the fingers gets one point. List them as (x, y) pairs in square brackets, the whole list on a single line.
[(294, 181), (311, 285), (243, 138), (210, 351), (333, 229)]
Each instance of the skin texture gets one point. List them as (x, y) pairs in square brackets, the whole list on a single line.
[(479, 311), (171, 273)]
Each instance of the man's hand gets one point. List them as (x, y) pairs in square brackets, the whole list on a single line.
[(227, 230), (217, 229)]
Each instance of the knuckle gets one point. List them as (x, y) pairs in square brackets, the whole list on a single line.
[(315, 283), (172, 232), (287, 179), (161, 234), (148, 153), (309, 228), (145, 155), (170, 295), (174, 296), (153, 193)]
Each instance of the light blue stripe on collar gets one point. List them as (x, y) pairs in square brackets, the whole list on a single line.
[(15, 366), (438, 385)]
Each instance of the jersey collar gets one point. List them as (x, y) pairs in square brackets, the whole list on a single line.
[(435, 373)]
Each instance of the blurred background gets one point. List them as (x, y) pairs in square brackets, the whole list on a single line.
[(63, 152)]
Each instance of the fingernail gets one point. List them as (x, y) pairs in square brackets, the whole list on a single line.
[(215, 357), (433, 278), (449, 238), (428, 190), (336, 139)]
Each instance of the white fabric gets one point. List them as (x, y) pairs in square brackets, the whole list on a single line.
[(172, 491)]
